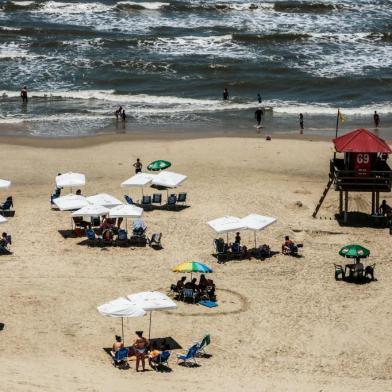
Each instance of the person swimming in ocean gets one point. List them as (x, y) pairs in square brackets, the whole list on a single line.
[(225, 94), (23, 94), (118, 112)]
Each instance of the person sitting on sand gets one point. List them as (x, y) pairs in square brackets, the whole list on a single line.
[(385, 209), (287, 246), (181, 284), (191, 285), (140, 345), (117, 345), (202, 286)]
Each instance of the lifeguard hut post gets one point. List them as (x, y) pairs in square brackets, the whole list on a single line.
[(363, 168)]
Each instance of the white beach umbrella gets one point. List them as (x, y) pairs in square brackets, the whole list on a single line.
[(126, 211), (4, 184), (121, 307), (139, 180), (103, 199), (226, 224), (70, 202), (169, 179), (257, 222), (91, 211), (150, 301), (70, 180), (2, 219)]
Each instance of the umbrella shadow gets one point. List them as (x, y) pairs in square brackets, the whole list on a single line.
[(67, 233), (5, 252)]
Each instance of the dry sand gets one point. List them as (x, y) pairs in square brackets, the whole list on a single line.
[(283, 324)]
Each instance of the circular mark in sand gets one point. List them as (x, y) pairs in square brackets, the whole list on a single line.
[(229, 302)]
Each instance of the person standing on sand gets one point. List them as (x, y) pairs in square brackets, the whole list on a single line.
[(376, 119), (140, 345), (225, 94), (301, 122), (23, 94), (258, 115), (138, 166)]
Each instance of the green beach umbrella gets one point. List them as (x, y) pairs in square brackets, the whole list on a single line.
[(354, 251), (158, 165)]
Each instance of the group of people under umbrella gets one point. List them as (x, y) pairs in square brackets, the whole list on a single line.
[(140, 304), (354, 272)]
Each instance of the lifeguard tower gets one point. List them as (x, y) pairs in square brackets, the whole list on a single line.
[(363, 168)]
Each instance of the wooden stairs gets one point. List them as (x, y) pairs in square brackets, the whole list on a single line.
[(326, 189)]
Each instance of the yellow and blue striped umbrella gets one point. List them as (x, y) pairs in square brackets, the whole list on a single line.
[(192, 266)]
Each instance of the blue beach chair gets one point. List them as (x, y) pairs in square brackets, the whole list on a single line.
[(128, 199), (120, 357), (190, 355)]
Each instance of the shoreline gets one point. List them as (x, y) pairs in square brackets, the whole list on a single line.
[(105, 138)]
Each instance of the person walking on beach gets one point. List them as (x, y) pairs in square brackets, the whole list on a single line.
[(301, 123), (258, 115), (225, 94), (376, 119), (259, 97), (118, 112), (23, 94), (138, 166)]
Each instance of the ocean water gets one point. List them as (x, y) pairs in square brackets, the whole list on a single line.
[(167, 63)]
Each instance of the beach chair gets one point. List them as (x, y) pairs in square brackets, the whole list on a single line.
[(146, 201), (4, 244), (339, 270), (206, 341), (171, 201), (155, 240), (369, 270), (56, 194), (220, 250), (156, 198), (95, 221), (161, 359), (189, 294), (6, 209), (122, 237), (92, 238), (181, 198), (128, 199), (190, 355), (120, 358)]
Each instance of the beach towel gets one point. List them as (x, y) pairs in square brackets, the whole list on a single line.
[(208, 303)]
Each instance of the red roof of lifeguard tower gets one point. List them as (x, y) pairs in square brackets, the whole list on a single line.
[(361, 140)]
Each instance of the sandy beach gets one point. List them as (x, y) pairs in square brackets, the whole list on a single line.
[(282, 324)]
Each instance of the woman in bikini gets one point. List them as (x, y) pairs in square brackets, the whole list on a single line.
[(140, 345)]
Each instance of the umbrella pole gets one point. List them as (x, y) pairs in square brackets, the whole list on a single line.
[(149, 329), (255, 240), (227, 238), (122, 329)]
